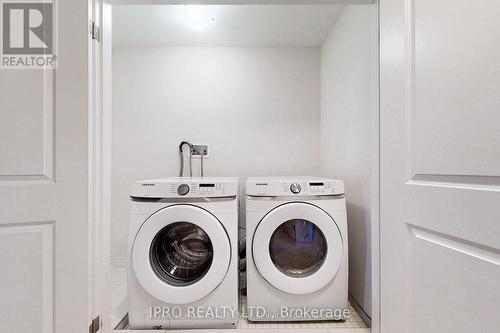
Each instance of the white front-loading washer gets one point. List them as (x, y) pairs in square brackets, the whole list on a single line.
[(183, 259), (297, 254)]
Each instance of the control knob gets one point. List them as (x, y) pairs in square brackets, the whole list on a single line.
[(183, 189), (295, 188)]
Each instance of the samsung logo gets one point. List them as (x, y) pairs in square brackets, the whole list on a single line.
[(146, 184)]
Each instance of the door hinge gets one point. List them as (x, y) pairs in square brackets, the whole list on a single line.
[(95, 325), (95, 31)]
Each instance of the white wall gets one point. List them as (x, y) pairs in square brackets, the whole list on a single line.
[(257, 108), (348, 111)]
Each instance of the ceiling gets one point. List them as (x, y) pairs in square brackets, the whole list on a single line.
[(219, 25)]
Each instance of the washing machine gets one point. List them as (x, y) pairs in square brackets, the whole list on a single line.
[(183, 259), (297, 257)]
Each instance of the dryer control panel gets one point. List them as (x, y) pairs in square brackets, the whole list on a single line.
[(291, 186), (185, 187)]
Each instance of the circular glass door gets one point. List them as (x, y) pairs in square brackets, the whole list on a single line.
[(181, 254), (297, 247)]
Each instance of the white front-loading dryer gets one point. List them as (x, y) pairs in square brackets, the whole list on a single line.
[(183, 241), (297, 250)]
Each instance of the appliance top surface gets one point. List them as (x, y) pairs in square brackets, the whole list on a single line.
[(177, 180), (185, 187), (290, 185), (290, 179)]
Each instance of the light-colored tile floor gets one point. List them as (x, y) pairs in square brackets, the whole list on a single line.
[(258, 330), (354, 321), (119, 309)]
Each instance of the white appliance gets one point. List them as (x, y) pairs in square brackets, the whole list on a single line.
[(297, 264), (183, 259)]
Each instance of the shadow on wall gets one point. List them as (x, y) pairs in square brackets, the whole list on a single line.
[(359, 233)]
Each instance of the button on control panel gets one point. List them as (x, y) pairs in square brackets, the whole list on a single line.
[(183, 189)]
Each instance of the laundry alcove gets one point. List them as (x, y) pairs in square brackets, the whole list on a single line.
[(273, 90)]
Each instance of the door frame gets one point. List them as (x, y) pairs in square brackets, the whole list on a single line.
[(101, 154), (95, 163)]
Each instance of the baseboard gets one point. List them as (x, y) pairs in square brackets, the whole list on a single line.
[(119, 261), (360, 311)]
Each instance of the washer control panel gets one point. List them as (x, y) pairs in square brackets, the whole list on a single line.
[(303, 186), (199, 189), (185, 187)]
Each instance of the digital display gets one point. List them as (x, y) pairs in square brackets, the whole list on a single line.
[(207, 185), (316, 184)]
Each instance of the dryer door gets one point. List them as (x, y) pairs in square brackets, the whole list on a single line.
[(297, 248), (181, 254)]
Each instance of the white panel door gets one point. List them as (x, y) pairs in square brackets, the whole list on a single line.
[(440, 166), (44, 196)]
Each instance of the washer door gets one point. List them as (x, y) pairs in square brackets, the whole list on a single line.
[(297, 248), (181, 254)]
